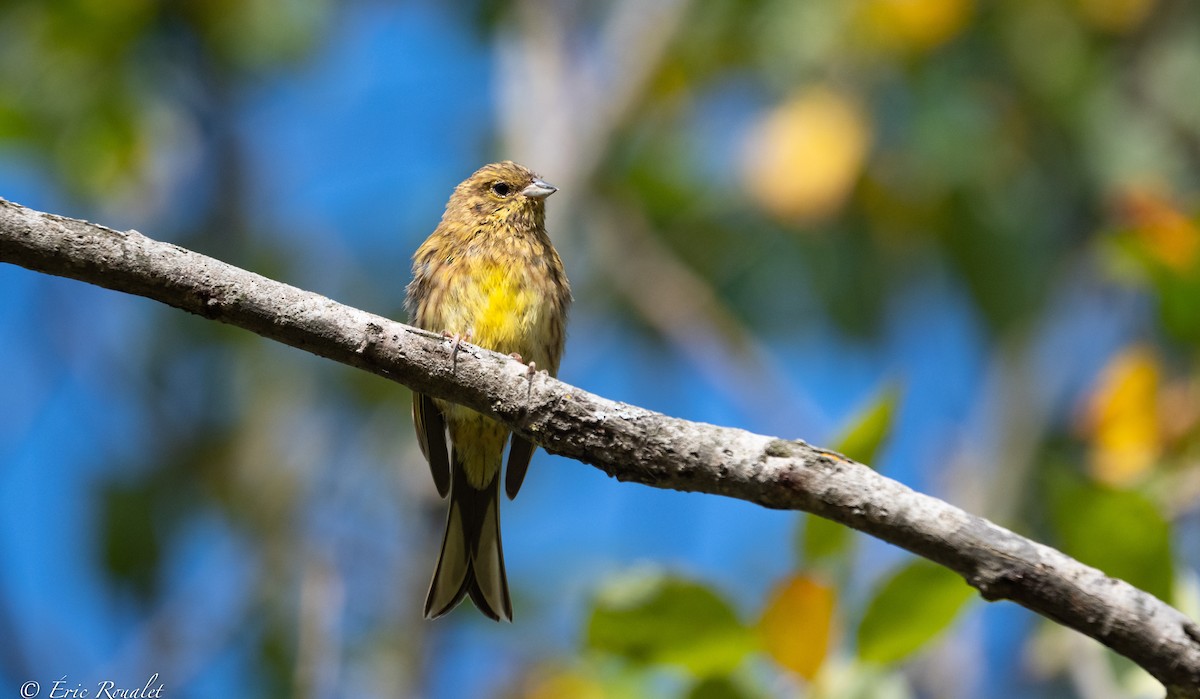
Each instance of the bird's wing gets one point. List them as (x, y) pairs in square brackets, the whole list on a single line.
[(431, 434), (518, 463)]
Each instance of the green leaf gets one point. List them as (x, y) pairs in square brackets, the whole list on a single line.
[(823, 540), (1177, 306), (131, 544), (1121, 532), (722, 687), (909, 609), (870, 427), (655, 618)]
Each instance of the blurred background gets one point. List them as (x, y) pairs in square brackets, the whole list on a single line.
[(957, 239)]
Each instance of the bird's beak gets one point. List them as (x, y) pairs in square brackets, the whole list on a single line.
[(539, 189)]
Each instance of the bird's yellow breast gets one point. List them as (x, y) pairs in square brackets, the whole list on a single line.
[(497, 302), (508, 308)]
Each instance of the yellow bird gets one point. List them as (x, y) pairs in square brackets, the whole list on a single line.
[(487, 274)]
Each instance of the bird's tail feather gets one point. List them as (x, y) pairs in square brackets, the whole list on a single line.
[(472, 558)]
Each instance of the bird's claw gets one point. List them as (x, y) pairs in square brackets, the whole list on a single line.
[(531, 368), (456, 344)]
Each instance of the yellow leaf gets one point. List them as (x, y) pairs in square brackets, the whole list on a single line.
[(1122, 417), (561, 683), (797, 624), (1165, 233), (914, 25), (1118, 16), (804, 156)]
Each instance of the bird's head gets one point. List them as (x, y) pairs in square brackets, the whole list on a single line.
[(501, 193)]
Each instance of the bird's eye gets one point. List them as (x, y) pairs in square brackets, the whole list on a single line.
[(501, 189)]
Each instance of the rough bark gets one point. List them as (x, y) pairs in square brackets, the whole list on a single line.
[(625, 441)]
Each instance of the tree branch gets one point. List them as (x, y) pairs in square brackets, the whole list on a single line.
[(625, 441)]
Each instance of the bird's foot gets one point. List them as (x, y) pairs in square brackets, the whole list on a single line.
[(530, 372), (531, 368), (456, 344)]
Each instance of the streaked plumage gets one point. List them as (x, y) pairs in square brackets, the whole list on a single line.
[(490, 275)]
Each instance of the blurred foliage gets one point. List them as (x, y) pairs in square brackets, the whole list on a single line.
[(1121, 532), (805, 156), (94, 85), (1155, 245), (825, 542), (909, 609), (985, 135), (1122, 419), (868, 430), (653, 619), (133, 549), (797, 625)]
